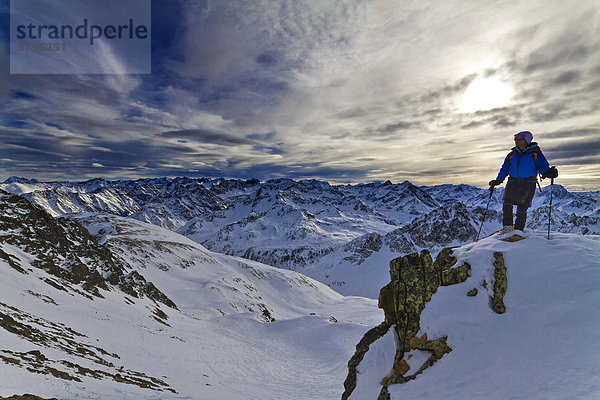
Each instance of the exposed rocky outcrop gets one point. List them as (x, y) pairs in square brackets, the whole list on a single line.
[(414, 279), (500, 284), (446, 225), (362, 247), (65, 250), (452, 222)]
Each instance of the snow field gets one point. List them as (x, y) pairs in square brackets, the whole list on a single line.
[(202, 354)]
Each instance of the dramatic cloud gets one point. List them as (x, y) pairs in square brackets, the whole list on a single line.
[(343, 91), (205, 136)]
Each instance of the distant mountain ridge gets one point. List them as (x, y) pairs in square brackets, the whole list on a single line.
[(309, 225)]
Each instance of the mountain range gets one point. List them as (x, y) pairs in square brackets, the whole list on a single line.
[(333, 233)]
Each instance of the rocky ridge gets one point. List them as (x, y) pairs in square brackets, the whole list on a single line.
[(61, 254), (63, 248)]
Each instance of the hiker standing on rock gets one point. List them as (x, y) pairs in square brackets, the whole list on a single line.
[(521, 165)]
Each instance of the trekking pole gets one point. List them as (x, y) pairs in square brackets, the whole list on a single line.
[(550, 211), (485, 212)]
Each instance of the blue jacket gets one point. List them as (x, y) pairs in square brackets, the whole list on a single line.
[(522, 164)]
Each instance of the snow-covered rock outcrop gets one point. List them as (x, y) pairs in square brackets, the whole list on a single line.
[(519, 321)]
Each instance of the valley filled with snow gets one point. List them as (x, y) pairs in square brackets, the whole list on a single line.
[(240, 329)]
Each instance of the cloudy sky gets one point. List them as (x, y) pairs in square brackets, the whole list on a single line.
[(342, 91)]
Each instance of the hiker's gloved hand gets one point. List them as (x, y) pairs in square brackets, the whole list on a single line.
[(496, 182), (551, 173)]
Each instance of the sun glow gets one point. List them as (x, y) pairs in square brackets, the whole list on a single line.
[(486, 94)]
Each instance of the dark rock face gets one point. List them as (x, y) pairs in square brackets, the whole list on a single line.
[(448, 223), (413, 281), (66, 250), (398, 242), (452, 222), (444, 264), (362, 247)]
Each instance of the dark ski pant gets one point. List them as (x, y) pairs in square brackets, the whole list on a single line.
[(517, 193)]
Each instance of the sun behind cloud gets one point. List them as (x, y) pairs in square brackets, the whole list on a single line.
[(485, 94)]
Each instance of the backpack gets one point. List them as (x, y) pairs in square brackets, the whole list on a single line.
[(535, 157)]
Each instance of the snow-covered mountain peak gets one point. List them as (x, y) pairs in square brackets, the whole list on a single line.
[(17, 179)]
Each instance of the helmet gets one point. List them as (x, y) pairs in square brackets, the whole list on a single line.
[(526, 135)]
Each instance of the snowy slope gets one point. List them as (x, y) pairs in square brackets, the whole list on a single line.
[(60, 338), (187, 273), (546, 345)]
